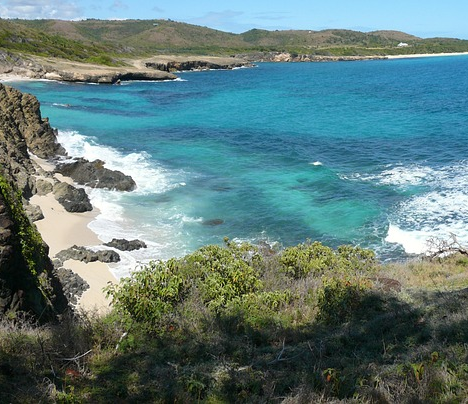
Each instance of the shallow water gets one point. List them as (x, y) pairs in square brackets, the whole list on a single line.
[(371, 153)]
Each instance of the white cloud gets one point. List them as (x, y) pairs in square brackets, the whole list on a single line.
[(31, 9)]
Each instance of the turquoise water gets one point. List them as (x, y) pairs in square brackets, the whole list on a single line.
[(371, 153)]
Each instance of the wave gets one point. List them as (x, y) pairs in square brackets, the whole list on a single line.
[(436, 210), (120, 214), (149, 177)]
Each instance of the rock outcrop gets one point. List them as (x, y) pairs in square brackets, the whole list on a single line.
[(85, 255), (126, 245), (27, 280), (303, 57), (22, 128), (71, 198), (65, 70), (191, 65), (95, 175)]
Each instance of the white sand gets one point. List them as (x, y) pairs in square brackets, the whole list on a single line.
[(425, 55), (61, 230)]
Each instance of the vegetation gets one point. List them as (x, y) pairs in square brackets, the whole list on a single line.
[(31, 243), (111, 42), (241, 323)]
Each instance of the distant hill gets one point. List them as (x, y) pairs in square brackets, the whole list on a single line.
[(107, 42)]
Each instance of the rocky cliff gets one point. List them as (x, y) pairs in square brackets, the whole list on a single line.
[(37, 67), (27, 280)]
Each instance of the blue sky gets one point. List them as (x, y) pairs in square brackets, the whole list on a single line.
[(427, 18)]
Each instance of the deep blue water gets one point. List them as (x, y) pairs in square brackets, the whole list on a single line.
[(371, 153)]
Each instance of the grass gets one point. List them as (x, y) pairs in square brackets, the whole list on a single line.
[(273, 345), (108, 42)]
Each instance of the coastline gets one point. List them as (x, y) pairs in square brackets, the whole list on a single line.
[(425, 55), (61, 230), (94, 74)]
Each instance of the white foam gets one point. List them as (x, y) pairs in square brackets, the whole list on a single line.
[(438, 208), (149, 177), (413, 242), (398, 176), (116, 219)]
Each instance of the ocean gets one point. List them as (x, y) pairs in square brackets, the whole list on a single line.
[(371, 153)]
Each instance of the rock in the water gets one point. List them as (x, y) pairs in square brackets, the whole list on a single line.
[(126, 245), (85, 255), (95, 175), (71, 198), (213, 222)]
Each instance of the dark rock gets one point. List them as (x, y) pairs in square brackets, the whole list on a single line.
[(109, 76), (34, 212), (213, 222), (85, 255), (126, 245), (22, 129), (71, 198), (73, 284), (95, 175), (174, 66), (19, 288)]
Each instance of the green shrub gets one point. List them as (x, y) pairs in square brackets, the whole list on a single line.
[(32, 246), (218, 274), (307, 258), (261, 310), (340, 298), (149, 294), (316, 259)]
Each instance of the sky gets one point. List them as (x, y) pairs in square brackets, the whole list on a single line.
[(424, 18)]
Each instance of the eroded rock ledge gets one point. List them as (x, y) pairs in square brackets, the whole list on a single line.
[(36, 67)]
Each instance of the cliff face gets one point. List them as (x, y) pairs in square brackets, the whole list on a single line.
[(27, 282), (22, 128)]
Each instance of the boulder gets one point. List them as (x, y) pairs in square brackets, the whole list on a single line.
[(43, 187), (34, 212), (85, 255), (95, 175), (126, 245), (73, 284), (71, 198)]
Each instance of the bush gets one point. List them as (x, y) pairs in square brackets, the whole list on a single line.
[(303, 259), (316, 259), (215, 274), (339, 299)]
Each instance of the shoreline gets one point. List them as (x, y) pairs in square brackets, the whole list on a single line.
[(61, 230), (83, 69), (425, 55)]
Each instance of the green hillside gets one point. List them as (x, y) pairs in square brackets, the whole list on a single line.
[(107, 41)]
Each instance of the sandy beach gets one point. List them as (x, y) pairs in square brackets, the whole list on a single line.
[(425, 55), (61, 230)]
